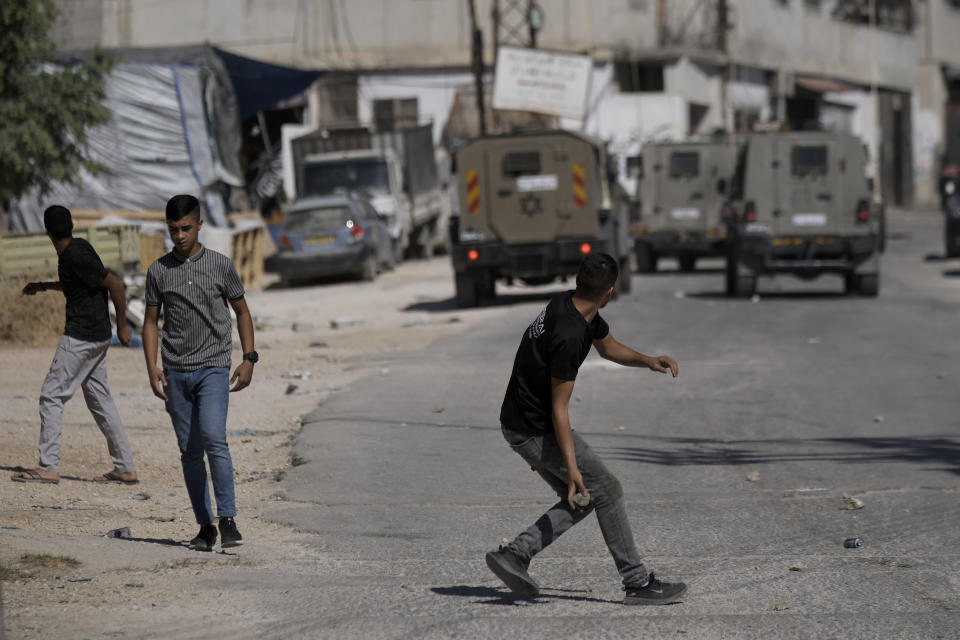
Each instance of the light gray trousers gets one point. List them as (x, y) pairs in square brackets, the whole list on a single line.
[(78, 363)]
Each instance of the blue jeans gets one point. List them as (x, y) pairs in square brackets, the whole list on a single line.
[(197, 403), (543, 455)]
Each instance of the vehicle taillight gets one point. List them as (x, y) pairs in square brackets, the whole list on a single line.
[(356, 231), (585, 248), (863, 211), (285, 241), (750, 212), (473, 255)]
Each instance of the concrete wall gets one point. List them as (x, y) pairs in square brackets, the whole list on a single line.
[(770, 35), (347, 33)]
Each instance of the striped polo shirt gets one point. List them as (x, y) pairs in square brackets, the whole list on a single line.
[(194, 291)]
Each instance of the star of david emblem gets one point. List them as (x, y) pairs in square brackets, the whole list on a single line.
[(531, 205)]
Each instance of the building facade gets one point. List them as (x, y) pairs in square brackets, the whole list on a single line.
[(886, 70)]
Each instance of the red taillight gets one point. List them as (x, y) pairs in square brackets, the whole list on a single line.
[(285, 241), (863, 211), (585, 248), (473, 255), (750, 212), (356, 232)]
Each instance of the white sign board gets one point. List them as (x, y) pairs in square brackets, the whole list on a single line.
[(541, 81), (545, 182)]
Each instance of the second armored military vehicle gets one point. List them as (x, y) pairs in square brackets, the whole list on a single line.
[(683, 193)]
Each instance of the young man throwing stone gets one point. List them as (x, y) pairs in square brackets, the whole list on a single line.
[(536, 424), (195, 285), (81, 357)]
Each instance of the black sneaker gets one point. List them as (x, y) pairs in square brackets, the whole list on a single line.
[(655, 592), (229, 536), (206, 539), (513, 572)]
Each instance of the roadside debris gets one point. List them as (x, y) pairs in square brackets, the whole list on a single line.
[(755, 298), (621, 428), (143, 495), (753, 476), (853, 543), (781, 605), (296, 374), (439, 409), (878, 419), (80, 580), (122, 532), (319, 344), (290, 389), (851, 502), (798, 567), (345, 321)]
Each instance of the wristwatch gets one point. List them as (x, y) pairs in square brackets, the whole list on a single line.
[(252, 356)]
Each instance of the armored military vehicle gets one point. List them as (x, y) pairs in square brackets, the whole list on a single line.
[(804, 207), (683, 193), (532, 205)]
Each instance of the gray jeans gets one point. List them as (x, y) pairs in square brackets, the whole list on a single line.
[(78, 363), (543, 455)]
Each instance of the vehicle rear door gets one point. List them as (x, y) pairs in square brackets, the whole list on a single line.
[(808, 187), (684, 189), (529, 188)]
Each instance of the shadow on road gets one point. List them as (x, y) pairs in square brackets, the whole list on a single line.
[(708, 452), (769, 295), (677, 272), (490, 595), (951, 273), (501, 300)]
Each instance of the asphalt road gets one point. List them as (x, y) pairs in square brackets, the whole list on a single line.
[(733, 472)]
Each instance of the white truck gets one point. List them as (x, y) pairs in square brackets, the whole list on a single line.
[(396, 170)]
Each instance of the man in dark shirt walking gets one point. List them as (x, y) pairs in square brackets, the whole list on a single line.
[(80, 360), (536, 424), (194, 285)]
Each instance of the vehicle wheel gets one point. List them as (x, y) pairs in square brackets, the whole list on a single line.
[(869, 284), (851, 283), (646, 258), (730, 276), (397, 250), (687, 262), (746, 286), (369, 272), (486, 287), (466, 290), (623, 282), (952, 248)]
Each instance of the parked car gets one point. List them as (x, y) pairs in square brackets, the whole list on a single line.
[(332, 235)]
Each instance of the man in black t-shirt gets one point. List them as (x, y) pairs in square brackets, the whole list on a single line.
[(536, 424), (80, 360)]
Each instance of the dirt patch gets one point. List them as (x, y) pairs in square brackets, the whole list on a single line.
[(153, 569), (35, 320)]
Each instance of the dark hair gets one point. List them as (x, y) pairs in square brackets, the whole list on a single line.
[(181, 206), (598, 272), (58, 222)]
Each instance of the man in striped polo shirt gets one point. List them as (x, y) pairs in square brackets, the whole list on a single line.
[(195, 285)]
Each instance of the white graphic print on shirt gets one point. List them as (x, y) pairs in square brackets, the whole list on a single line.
[(535, 330)]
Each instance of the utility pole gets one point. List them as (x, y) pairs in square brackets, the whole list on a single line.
[(476, 59), (878, 160)]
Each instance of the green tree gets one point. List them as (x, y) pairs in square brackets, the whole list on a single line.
[(44, 110)]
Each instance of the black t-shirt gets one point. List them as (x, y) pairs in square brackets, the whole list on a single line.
[(554, 346), (81, 272)]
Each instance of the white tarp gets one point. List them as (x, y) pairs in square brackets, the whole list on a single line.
[(158, 143), (541, 81)]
